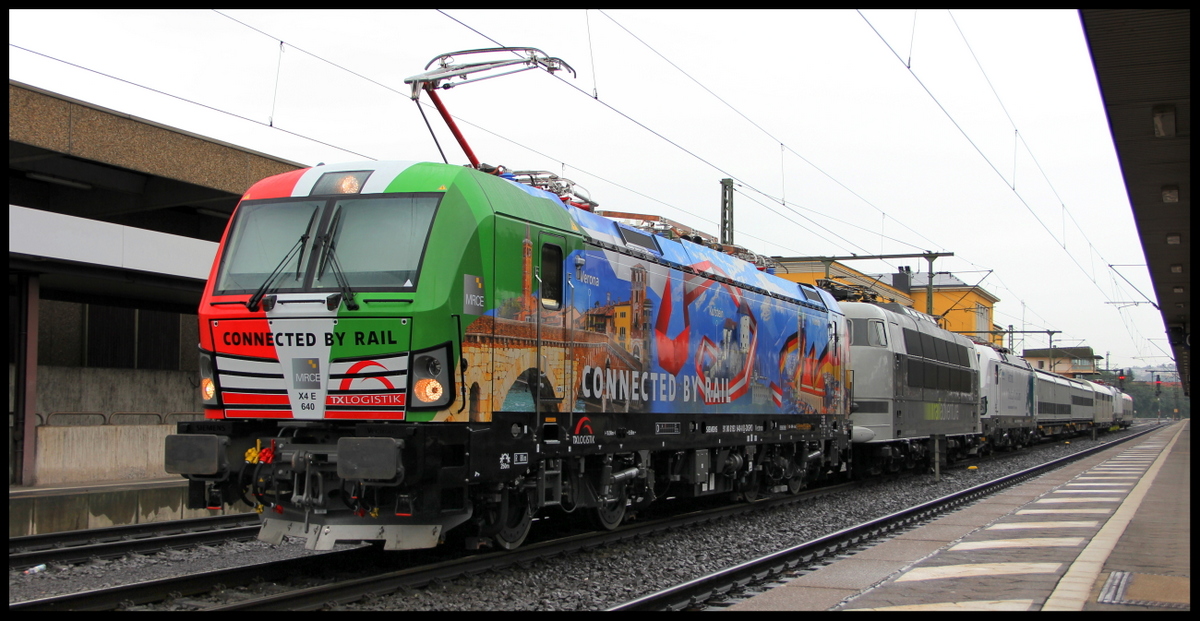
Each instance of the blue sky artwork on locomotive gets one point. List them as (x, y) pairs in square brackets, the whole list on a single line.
[(691, 329)]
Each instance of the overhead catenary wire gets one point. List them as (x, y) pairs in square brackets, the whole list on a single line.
[(595, 97), (783, 145), (364, 156), (1017, 136), (1011, 185)]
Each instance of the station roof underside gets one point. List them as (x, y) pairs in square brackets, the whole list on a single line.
[(1143, 65), (115, 209)]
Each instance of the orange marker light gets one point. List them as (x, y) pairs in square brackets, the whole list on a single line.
[(208, 389), (428, 390)]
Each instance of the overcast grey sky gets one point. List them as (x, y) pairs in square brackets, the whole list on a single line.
[(980, 133)]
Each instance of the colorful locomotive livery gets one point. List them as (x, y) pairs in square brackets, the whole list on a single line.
[(656, 331), (391, 350)]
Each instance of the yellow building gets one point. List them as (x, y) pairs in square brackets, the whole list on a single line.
[(1068, 361), (959, 307)]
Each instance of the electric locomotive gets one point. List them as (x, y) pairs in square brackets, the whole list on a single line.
[(913, 382), (1102, 413), (398, 351), (1122, 409), (1007, 398)]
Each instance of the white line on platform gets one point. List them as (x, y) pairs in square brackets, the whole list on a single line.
[(1028, 542), (972, 570)]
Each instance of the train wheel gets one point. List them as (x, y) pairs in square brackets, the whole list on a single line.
[(643, 495), (608, 515), (751, 486), (516, 524), (795, 484)]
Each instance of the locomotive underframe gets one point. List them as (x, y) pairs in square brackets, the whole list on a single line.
[(1009, 432), (328, 482), (880, 457)]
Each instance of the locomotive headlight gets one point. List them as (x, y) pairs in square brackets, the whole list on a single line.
[(432, 386), (346, 182), (208, 389), (208, 383), (347, 185), (432, 366), (428, 390)]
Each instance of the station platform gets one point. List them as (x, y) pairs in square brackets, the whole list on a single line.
[(1108, 532), (55, 508)]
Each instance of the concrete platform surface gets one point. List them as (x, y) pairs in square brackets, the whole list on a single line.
[(1109, 532)]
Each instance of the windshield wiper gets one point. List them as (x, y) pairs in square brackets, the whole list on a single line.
[(329, 258), (297, 249), (327, 242)]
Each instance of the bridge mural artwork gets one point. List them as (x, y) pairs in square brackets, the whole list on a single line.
[(638, 336)]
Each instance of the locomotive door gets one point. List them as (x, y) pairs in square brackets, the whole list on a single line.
[(556, 385)]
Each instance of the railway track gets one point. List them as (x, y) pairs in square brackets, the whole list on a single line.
[(367, 565), (82, 545), (697, 593), (130, 596)]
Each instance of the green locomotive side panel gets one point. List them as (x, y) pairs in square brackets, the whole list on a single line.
[(510, 200), (427, 177)]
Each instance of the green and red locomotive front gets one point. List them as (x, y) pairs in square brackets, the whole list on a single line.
[(332, 324)]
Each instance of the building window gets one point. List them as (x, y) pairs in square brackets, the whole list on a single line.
[(128, 338), (1041, 364)]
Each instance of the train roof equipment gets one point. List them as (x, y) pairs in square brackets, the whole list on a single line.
[(526, 58), (567, 190), (448, 74), (530, 57)]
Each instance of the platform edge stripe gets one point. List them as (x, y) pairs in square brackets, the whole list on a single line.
[(1091, 561)]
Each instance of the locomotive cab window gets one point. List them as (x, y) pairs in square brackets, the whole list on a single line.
[(876, 333), (551, 277), (376, 243), (812, 295), (869, 332), (263, 234), (369, 242)]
